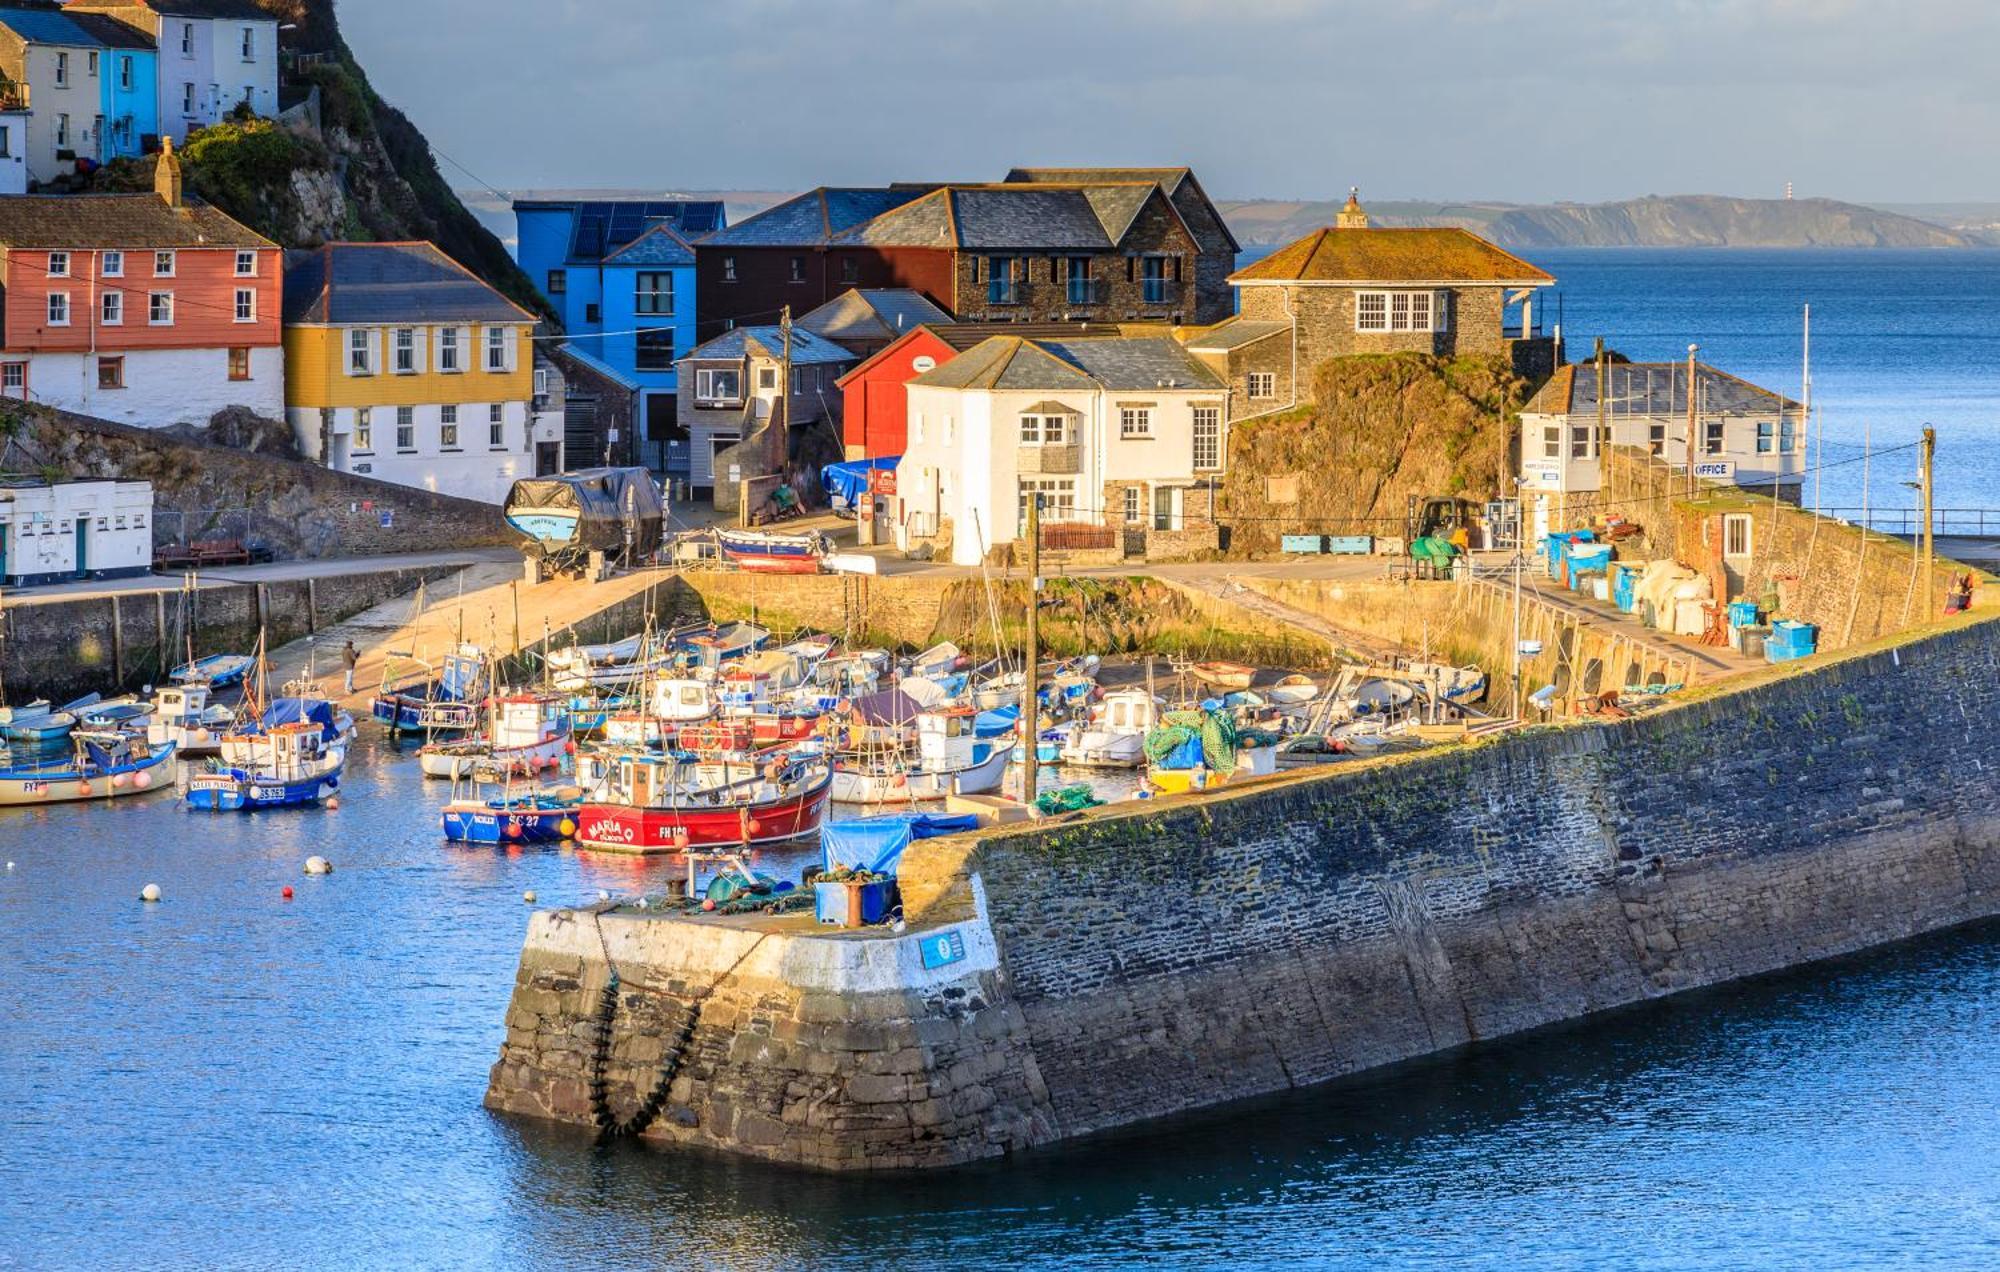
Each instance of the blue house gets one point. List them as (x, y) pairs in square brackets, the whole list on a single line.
[(621, 276), (92, 84)]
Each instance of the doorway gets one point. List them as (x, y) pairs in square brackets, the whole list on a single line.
[(83, 547)]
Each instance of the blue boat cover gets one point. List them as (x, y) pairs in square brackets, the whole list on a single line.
[(991, 724), (292, 710), (877, 843), (846, 481), (461, 675)]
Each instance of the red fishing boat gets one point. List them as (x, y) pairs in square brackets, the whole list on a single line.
[(667, 804)]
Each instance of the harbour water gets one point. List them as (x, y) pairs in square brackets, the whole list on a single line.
[(230, 1079)]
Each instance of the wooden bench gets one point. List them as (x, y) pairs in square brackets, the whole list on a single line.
[(201, 552)]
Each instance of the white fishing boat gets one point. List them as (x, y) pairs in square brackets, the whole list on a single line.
[(102, 766), (243, 744), (950, 759), (184, 716), (669, 706), (525, 733), (1115, 734)]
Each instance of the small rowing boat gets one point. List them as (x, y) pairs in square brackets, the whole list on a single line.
[(218, 671), (103, 766)]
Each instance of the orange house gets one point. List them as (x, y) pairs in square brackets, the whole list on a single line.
[(147, 309)]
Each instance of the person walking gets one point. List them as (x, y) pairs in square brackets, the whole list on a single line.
[(350, 656)]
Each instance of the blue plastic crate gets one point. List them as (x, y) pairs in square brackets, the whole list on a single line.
[(1793, 638), (1313, 543), (1350, 544), (1742, 613), (830, 901), (1624, 588)]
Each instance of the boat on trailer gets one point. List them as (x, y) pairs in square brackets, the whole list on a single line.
[(764, 552)]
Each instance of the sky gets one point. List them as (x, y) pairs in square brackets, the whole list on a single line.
[(1515, 100)]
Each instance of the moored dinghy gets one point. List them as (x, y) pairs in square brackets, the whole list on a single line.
[(101, 766)]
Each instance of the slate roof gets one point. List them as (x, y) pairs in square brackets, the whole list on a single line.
[(134, 222), (1383, 255), (599, 228), (769, 342), (1118, 364), (814, 217), (1234, 333), (227, 10), (873, 313), (85, 30), (597, 365), (1652, 388), (388, 283), (659, 245), (1006, 217), (1180, 184), (961, 336)]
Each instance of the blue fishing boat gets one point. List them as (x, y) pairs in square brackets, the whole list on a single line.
[(293, 765), (763, 552), (103, 766), (512, 813), (218, 671), (244, 742), (39, 724), (444, 705)]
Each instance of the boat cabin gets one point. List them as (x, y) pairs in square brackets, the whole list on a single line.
[(1128, 711), (945, 739), (682, 701)]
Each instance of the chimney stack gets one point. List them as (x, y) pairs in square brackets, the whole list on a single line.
[(167, 174)]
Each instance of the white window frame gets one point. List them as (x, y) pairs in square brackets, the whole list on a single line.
[(125, 73), (188, 103), (158, 303), (249, 44), (246, 264), (111, 309), (364, 430), (496, 427), (1135, 423), (448, 351), (1738, 535), (62, 131), (1045, 430), (1260, 385), (656, 295), (1714, 436), (13, 377), (1058, 504), (1134, 504), (1206, 422), (187, 40), (62, 71), (448, 428), (168, 259), (58, 309), (112, 264), (704, 384), (246, 304), (497, 343), (360, 340), (1378, 311), (58, 264), (406, 429), (403, 351)]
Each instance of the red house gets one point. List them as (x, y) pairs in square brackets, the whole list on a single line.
[(875, 415)]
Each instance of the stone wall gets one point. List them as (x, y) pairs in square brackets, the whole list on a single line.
[(288, 508), (1147, 960), (61, 649), (1325, 317)]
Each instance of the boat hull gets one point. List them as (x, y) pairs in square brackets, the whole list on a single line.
[(1095, 748), (460, 759), (480, 823), (851, 786), (55, 786), (624, 828), (240, 791)]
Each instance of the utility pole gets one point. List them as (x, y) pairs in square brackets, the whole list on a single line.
[(781, 443), (1926, 452), (1516, 677), (1811, 437), (1692, 350), (1030, 705), (1603, 428)]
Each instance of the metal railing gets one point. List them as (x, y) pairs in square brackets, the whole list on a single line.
[(1159, 291), (1969, 522), (1006, 291), (1084, 291)]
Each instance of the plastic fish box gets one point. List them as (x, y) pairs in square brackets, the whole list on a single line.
[(1742, 613), (1794, 638), (835, 903), (1350, 544), (1313, 543)]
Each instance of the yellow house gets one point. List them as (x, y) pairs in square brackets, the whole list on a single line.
[(403, 366)]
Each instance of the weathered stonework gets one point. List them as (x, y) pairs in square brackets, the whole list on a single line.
[(1138, 962)]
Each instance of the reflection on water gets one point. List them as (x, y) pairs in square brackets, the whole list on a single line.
[(228, 1078)]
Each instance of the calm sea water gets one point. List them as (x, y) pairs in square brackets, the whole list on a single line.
[(1900, 339), (228, 1079)]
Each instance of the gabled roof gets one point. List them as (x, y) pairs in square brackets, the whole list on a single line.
[(1652, 388), (227, 10), (814, 217), (769, 342), (1180, 185), (1117, 364), (1234, 333), (131, 222), (388, 283), (873, 313), (77, 29), (659, 245), (1381, 255), (960, 336), (1010, 217)]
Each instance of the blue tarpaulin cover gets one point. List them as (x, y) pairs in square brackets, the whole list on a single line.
[(846, 481), (877, 843), (292, 710), (991, 724)]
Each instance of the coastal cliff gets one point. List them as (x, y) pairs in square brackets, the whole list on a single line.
[(1687, 220)]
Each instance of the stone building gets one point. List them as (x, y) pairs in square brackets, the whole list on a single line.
[(1045, 245), (729, 390), (1354, 288), (1123, 439)]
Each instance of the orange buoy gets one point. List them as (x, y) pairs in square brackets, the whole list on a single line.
[(83, 788), (513, 830)]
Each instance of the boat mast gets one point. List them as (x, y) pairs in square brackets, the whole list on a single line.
[(1030, 705)]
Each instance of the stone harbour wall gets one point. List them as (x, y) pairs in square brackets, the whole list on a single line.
[(1152, 959)]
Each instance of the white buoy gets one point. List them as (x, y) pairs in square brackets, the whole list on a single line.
[(151, 892), (318, 866), (529, 896), (602, 895), (10, 865)]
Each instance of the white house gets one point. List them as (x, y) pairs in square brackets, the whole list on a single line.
[(13, 148), (1744, 434), (51, 532), (1123, 439), (213, 55)]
